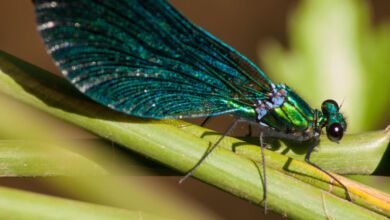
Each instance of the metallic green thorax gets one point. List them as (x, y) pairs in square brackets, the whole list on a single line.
[(294, 115)]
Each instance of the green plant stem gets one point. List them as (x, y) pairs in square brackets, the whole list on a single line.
[(34, 158), (16, 204), (367, 197), (180, 149), (363, 153)]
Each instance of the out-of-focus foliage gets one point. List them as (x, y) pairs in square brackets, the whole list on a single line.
[(336, 52)]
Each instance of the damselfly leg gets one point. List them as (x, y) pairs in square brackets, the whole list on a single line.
[(226, 133), (207, 119), (307, 159)]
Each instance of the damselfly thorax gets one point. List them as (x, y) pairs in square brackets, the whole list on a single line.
[(283, 110)]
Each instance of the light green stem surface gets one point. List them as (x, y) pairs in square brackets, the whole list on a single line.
[(16, 204), (34, 158)]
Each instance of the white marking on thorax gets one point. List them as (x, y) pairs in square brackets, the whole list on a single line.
[(274, 99)]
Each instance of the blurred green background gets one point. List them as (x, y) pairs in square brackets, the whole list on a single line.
[(322, 49)]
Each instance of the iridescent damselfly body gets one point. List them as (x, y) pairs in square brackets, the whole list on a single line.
[(143, 58)]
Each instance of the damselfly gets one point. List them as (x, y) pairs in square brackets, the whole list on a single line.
[(143, 58)]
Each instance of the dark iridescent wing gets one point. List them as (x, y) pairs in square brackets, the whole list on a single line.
[(143, 58)]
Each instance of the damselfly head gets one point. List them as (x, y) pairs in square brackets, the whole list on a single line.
[(335, 122)]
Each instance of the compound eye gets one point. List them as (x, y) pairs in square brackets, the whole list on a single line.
[(328, 106), (335, 132)]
